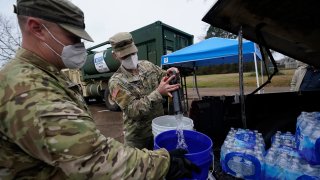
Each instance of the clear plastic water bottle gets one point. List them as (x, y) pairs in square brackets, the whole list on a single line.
[(304, 118), (270, 158), (284, 139), (283, 161), (316, 132), (294, 171)]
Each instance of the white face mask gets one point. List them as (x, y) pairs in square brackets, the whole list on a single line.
[(73, 56), (130, 62)]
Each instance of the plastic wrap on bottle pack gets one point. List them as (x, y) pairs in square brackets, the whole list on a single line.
[(242, 153), (283, 161), (308, 136), (284, 139)]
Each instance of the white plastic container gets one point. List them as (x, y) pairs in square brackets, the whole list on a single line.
[(167, 122)]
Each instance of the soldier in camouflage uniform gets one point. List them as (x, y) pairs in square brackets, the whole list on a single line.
[(137, 87), (46, 130)]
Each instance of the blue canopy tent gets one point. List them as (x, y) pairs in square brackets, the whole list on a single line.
[(213, 51)]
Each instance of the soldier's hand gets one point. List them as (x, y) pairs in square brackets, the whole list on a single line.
[(165, 88), (180, 167)]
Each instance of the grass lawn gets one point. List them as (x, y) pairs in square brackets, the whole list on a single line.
[(282, 79)]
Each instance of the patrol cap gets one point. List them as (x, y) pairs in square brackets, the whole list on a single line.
[(62, 12), (122, 44)]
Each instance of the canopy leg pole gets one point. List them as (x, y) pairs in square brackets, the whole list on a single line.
[(256, 69), (184, 85), (262, 80), (242, 100), (195, 81)]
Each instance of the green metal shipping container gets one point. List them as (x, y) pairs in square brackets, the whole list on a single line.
[(158, 39)]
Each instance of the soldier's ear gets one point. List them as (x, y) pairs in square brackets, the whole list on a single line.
[(36, 28)]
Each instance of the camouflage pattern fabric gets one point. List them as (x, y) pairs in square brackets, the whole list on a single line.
[(47, 132), (139, 100)]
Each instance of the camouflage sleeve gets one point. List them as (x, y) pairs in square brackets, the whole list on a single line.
[(161, 72), (56, 131), (134, 107)]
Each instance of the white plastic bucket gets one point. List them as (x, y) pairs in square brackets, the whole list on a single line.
[(165, 123)]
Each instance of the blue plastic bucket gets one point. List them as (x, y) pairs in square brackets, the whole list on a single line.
[(199, 149)]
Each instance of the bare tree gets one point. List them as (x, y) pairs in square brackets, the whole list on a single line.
[(10, 39), (217, 32)]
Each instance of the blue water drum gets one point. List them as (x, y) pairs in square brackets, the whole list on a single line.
[(200, 150)]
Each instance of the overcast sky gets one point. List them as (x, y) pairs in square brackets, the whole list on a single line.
[(104, 18)]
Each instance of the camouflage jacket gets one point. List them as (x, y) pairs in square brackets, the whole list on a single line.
[(138, 99), (47, 132)]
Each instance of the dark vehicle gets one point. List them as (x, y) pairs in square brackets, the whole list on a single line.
[(291, 27)]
